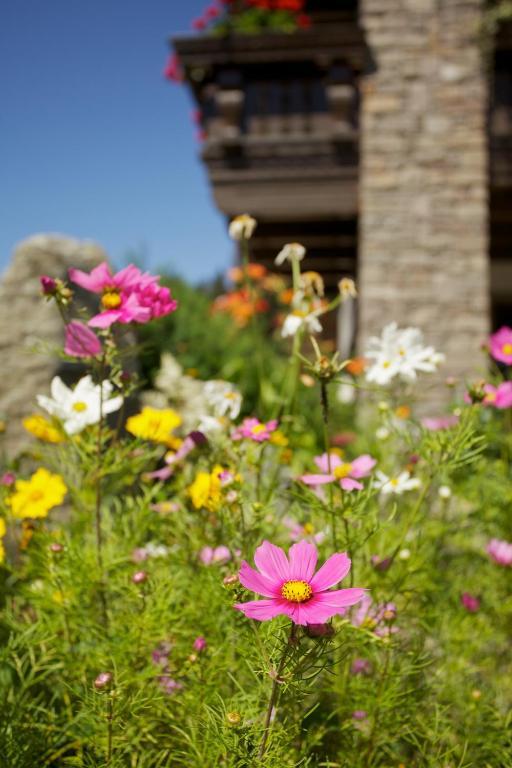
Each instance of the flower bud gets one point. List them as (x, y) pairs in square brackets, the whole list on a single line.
[(347, 288), (233, 719), (48, 285), (200, 644), (139, 577), (56, 548), (103, 680), (242, 227)]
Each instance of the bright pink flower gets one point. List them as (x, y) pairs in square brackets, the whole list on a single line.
[(81, 341), (7, 479), (500, 551), (173, 70), (128, 296), (48, 285), (200, 644), (500, 345), (359, 714), (498, 397), (440, 422), (199, 24), (211, 555), (253, 429), (333, 468), (470, 602), (292, 587)]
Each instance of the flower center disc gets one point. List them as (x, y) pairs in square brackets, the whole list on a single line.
[(111, 300), (507, 349), (296, 591), (341, 471), (79, 406)]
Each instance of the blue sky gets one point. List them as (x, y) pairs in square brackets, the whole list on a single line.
[(94, 142)]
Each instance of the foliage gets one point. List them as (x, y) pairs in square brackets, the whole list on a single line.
[(119, 642)]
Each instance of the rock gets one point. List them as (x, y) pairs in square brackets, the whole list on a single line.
[(27, 321)]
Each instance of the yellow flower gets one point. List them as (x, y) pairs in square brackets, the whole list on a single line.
[(277, 438), (155, 425), (206, 490), (2, 534), (35, 497), (43, 429)]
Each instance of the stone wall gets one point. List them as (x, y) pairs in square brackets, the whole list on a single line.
[(28, 322), (423, 256)]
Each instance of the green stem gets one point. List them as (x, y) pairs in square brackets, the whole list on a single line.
[(274, 693)]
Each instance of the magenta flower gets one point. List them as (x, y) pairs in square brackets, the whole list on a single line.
[(81, 341), (292, 587), (173, 70), (48, 285), (348, 473), (7, 479), (500, 345), (200, 644), (211, 555), (128, 296), (500, 551), (361, 667), (498, 397), (440, 422), (169, 685), (254, 429), (470, 602)]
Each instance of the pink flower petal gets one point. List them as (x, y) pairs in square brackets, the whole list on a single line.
[(98, 278), (302, 557), (261, 610), (332, 571), (258, 583), (105, 319), (350, 485), (362, 466), (317, 479), (322, 462), (272, 562)]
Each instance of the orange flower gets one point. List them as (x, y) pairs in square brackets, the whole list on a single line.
[(254, 272), (356, 366)]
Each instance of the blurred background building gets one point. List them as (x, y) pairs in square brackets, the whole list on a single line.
[(380, 137)]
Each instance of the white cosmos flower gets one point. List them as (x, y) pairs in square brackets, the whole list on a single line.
[(223, 398), (209, 424), (396, 485), (290, 252), (242, 227), (79, 407), (296, 320), (400, 352)]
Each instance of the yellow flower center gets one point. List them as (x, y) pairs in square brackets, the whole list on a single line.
[(296, 591), (490, 397), (394, 482), (507, 349), (36, 495), (342, 471), (258, 429), (79, 406), (386, 364), (308, 529), (111, 299), (401, 352)]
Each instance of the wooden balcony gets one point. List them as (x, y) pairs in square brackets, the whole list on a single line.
[(279, 116)]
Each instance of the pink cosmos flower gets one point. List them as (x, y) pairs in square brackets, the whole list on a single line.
[(498, 397), (346, 472), (253, 429), (376, 617), (128, 296), (500, 345), (305, 531), (81, 341), (7, 479), (211, 555), (470, 602), (200, 644), (291, 586), (361, 667), (500, 551), (440, 422)]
